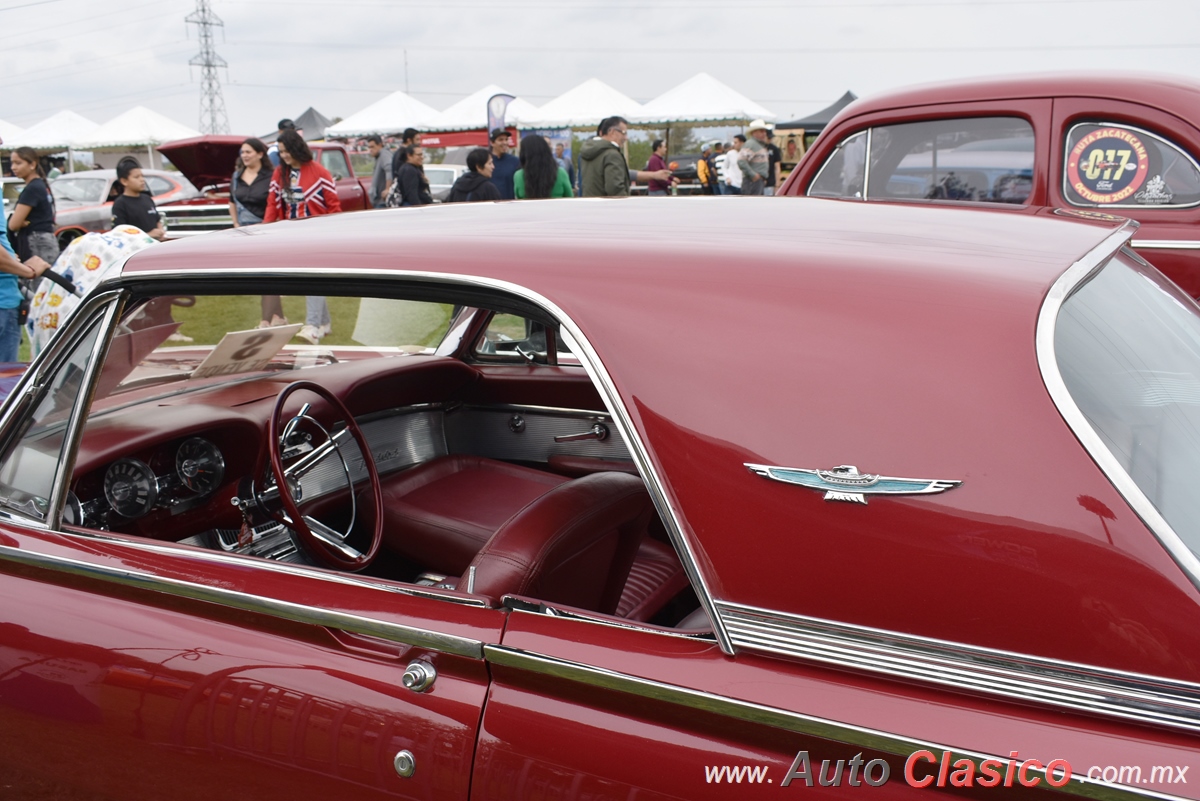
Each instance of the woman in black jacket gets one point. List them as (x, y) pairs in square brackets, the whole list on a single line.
[(475, 183), (410, 187)]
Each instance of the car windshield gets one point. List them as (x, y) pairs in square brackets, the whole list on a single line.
[(1128, 347), (177, 343), (79, 190)]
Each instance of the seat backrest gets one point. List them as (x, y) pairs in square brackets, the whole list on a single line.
[(574, 545)]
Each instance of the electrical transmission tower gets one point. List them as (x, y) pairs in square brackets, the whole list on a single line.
[(212, 103)]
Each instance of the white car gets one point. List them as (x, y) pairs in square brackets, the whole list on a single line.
[(441, 178)]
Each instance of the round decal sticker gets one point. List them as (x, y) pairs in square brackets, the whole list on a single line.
[(1108, 165)]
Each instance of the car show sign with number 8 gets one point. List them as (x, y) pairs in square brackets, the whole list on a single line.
[(1108, 165)]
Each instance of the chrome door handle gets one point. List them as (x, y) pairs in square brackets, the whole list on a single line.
[(599, 431)]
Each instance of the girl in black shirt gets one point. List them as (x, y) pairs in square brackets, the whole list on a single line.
[(32, 221), (250, 184), (134, 206)]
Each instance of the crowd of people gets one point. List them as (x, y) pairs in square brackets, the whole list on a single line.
[(284, 182)]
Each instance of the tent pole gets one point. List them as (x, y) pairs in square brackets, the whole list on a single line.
[(70, 160), (150, 156)]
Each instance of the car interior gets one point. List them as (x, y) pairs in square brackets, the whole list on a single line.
[(497, 471)]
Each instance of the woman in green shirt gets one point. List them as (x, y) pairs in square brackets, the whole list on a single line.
[(540, 176)]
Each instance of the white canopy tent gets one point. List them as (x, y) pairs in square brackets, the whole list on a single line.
[(132, 131), (701, 99), (470, 113), (54, 133), (391, 115), (584, 107), (9, 131)]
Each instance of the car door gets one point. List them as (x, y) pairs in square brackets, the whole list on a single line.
[(1163, 194), (136, 669), (349, 188)]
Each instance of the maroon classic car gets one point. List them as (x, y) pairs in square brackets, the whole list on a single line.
[(795, 496), (1120, 144), (208, 161)]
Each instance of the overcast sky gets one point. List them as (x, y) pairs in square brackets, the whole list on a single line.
[(100, 57)]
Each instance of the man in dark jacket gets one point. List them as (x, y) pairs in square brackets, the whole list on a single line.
[(475, 183), (602, 166)]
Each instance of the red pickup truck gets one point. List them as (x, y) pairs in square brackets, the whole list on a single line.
[(1094, 144), (208, 162)]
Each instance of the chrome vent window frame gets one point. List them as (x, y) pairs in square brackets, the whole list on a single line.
[(1062, 289)]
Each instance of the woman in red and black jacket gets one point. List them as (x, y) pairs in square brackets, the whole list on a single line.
[(300, 187)]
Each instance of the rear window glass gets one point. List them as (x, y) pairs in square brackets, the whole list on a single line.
[(1128, 347), (982, 160), (1120, 166)]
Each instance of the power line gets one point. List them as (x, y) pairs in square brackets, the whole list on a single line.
[(213, 119), (922, 48)]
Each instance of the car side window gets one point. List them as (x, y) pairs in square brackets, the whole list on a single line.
[(519, 340), (158, 185), (1121, 166), (335, 162), (978, 159), (32, 458)]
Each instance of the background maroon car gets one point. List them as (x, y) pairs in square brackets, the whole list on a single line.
[(1120, 144)]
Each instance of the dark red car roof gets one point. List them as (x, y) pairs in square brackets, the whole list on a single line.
[(1169, 93)]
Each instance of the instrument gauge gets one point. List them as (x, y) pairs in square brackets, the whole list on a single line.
[(200, 465), (130, 487)]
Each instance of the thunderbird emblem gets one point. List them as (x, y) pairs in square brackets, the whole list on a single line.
[(845, 483)]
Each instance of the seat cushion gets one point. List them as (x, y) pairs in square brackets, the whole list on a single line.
[(440, 513), (656, 577)]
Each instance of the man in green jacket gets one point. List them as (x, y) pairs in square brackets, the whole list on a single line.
[(605, 173)]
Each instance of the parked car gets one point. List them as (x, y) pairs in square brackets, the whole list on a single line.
[(441, 179), (83, 200), (209, 161), (649, 497), (1118, 144)]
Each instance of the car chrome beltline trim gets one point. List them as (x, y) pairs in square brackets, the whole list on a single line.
[(548, 410), (774, 717), (1166, 244), (1037, 680), (1062, 289), (572, 335), (284, 610), (289, 568)]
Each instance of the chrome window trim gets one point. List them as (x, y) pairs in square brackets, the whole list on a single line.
[(783, 719), (272, 607), (572, 335), (1166, 244), (62, 479), (1108, 463), (1067, 152), (980, 671)]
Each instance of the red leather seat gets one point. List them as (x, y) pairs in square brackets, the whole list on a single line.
[(441, 513), (574, 545)]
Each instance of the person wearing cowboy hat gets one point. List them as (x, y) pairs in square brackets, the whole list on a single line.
[(754, 159)]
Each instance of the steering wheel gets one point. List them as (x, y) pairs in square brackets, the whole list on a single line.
[(323, 542)]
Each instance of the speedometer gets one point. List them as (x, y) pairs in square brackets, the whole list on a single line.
[(200, 465), (130, 487)]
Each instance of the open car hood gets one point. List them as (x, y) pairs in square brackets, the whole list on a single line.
[(205, 160)]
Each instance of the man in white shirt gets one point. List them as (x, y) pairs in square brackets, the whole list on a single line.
[(733, 172)]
